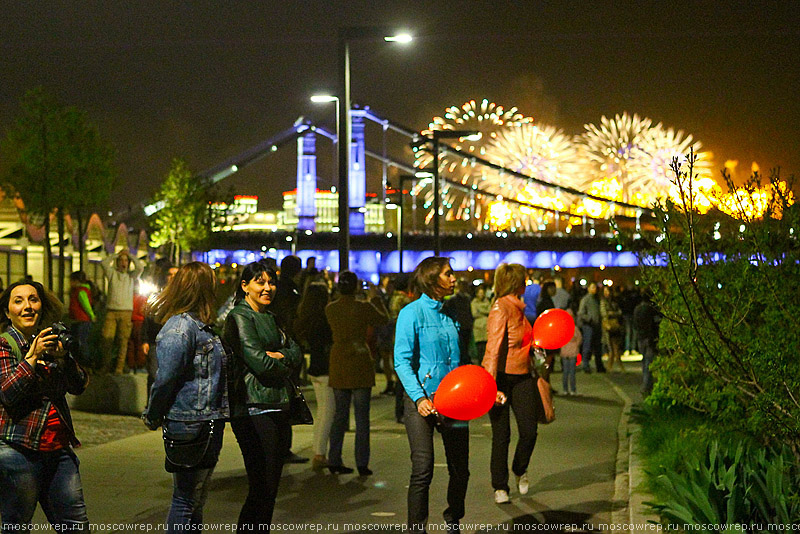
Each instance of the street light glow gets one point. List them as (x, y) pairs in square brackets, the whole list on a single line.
[(319, 99), (399, 38)]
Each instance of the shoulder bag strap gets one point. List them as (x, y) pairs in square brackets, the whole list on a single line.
[(13, 344)]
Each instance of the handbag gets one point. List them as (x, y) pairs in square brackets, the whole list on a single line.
[(299, 412), (546, 409), (185, 453)]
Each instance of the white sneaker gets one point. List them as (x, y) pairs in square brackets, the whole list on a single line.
[(522, 483), (501, 496)]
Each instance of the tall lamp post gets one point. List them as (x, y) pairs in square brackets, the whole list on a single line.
[(322, 99), (435, 136), (345, 128)]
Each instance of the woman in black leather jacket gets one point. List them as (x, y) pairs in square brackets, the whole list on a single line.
[(264, 358)]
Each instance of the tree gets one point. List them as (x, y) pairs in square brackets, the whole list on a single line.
[(731, 330), (93, 176), (185, 216), (57, 164)]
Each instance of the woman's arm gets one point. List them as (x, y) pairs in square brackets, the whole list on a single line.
[(496, 327), (292, 354), (249, 348), (406, 344), (377, 315), (174, 351), (17, 379), (77, 377)]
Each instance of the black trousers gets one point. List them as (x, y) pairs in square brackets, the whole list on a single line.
[(263, 440), (456, 448), (521, 393)]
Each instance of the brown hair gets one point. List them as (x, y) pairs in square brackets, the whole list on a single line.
[(425, 278), (191, 290), (508, 278), (311, 310), (51, 306)]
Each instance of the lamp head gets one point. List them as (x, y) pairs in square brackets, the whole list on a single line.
[(399, 38), (324, 98)]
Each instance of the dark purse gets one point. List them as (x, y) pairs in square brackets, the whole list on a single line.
[(187, 452), (299, 412)]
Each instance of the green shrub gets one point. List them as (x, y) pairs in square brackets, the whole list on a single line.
[(731, 485), (729, 345)]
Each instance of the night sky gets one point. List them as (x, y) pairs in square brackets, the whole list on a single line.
[(207, 80)]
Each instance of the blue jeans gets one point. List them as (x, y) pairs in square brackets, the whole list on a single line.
[(341, 417), (190, 487), (631, 337), (568, 378), (591, 346), (456, 449), (49, 478)]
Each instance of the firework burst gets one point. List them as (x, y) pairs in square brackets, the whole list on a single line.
[(485, 117), (628, 159), (541, 152)]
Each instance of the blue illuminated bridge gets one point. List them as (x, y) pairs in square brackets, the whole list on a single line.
[(371, 254)]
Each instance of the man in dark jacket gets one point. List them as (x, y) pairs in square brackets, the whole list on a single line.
[(646, 319), (458, 308)]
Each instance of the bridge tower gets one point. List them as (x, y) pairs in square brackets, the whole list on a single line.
[(306, 181), (357, 181)]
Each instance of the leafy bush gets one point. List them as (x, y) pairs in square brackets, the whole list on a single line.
[(728, 287), (732, 485), (700, 475)]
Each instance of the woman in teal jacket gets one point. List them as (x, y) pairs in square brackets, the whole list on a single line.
[(264, 358), (425, 350)]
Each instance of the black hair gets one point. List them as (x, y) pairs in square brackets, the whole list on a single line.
[(250, 272), (347, 283)]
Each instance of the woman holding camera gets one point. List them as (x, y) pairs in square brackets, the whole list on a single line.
[(37, 463), (189, 396), (264, 359)]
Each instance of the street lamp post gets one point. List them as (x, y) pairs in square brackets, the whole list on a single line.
[(321, 99), (435, 136), (401, 217), (345, 127)]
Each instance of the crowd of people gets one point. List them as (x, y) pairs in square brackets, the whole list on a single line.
[(241, 364)]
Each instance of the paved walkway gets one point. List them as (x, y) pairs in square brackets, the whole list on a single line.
[(578, 475)]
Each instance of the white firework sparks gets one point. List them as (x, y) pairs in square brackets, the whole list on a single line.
[(542, 152), (628, 159), (485, 117), (609, 149)]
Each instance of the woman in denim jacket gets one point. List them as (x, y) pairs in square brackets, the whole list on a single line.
[(263, 360), (190, 394), (425, 350)]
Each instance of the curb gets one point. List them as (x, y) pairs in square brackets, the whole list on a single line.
[(629, 483)]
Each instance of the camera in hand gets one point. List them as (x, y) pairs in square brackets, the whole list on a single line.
[(64, 336)]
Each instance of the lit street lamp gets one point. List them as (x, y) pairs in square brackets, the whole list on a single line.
[(323, 99), (344, 127)]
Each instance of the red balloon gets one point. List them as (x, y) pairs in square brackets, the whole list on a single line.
[(553, 329), (465, 393)]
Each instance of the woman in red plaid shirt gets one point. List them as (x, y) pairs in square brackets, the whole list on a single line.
[(37, 463)]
